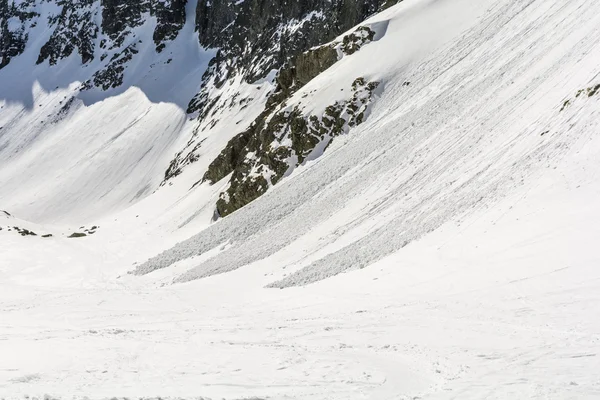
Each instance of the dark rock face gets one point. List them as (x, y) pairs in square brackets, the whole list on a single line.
[(252, 38), (171, 16), (92, 28), (75, 29), (119, 17), (111, 76), (15, 22), (257, 157), (76, 235), (257, 36)]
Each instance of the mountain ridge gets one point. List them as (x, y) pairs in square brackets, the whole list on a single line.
[(122, 44), (429, 228)]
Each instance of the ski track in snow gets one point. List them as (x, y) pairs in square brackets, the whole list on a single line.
[(457, 229)]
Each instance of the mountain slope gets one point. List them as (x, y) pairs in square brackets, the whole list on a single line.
[(441, 248), (433, 148), (210, 60)]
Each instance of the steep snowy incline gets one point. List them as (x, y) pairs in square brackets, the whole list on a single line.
[(443, 249), (90, 72), (441, 141), (72, 155), (68, 154)]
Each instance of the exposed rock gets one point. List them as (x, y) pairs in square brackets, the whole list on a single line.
[(590, 92), (112, 75), (251, 38), (593, 90), (74, 29), (77, 235), (354, 41), (256, 158), (301, 69), (120, 17), (255, 37), (16, 18), (295, 73), (171, 16), (92, 28), (259, 157), (24, 232)]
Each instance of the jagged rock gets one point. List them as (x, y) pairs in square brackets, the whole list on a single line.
[(296, 73), (78, 25), (171, 16), (252, 38), (255, 37), (119, 17), (590, 92), (253, 157), (258, 157), (354, 41), (15, 20), (24, 232), (112, 75), (74, 29), (76, 235), (301, 69)]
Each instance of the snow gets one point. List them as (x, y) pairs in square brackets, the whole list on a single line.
[(445, 248), (14, 24)]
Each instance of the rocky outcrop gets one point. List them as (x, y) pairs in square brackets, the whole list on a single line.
[(120, 17), (276, 144), (171, 17), (255, 37), (251, 38), (112, 75), (588, 92), (294, 74), (281, 138), (75, 29), (303, 68), (92, 28), (16, 18)]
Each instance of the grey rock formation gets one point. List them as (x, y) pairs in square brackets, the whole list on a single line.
[(15, 21), (252, 38), (75, 29), (92, 28), (257, 36), (252, 159)]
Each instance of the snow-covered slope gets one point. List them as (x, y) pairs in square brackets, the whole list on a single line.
[(444, 248)]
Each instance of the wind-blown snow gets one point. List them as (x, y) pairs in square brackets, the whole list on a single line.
[(445, 248)]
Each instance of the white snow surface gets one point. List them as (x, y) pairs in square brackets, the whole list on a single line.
[(444, 249)]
